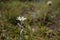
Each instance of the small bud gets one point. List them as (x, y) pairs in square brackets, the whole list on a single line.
[(49, 3)]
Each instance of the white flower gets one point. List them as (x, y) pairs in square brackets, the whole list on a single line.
[(21, 18), (49, 2)]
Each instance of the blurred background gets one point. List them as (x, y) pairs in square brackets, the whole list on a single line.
[(43, 19)]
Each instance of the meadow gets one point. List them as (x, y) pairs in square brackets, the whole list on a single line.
[(43, 20)]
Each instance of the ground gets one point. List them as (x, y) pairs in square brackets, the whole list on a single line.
[(43, 21)]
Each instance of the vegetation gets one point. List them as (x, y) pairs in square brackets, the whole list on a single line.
[(43, 20)]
